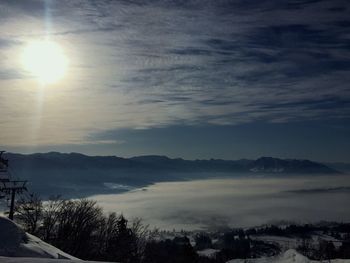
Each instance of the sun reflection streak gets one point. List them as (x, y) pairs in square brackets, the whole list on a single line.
[(46, 61)]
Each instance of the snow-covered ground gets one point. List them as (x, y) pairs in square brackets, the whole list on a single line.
[(283, 242), (17, 246), (289, 256), (14, 242), (209, 252), (40, 260)]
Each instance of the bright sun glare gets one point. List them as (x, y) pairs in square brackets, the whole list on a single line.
[(45, 60)]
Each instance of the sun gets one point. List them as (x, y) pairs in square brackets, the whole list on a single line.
[(45, 60)]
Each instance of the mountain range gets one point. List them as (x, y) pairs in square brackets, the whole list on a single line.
[(75, 173), (62, 161)]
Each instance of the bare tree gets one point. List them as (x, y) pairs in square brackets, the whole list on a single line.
[(28, 213), (51, 213), (77, 225), (80, 228), (143, 235)]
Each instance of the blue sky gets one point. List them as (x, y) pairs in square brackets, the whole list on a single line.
[(194, 79)]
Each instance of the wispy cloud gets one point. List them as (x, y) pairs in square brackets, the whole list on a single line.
[(142, 64), (341, 189)]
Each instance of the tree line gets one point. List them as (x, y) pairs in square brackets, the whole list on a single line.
[(81, 228)]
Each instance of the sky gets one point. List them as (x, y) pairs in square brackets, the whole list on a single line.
[(192, 79)]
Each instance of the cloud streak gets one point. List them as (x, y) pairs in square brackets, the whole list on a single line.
[(145, 64)]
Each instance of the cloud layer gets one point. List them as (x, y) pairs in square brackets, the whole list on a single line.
[(233, 202), (143, 64)]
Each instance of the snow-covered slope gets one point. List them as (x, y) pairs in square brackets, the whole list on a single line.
[(290, 256), (14, 242), (40, 260), (209, 252)]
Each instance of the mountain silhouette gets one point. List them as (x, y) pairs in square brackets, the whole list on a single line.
[(79, 174)]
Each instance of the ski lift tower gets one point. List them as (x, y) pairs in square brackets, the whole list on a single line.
[(8, 186), (4, 175)]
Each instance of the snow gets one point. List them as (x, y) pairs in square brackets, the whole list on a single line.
[(293, 242), (287, 257), (17, 246), (14, 242), (209, 252), (40, 260), (11, 237), (282, 241), (35, 247)]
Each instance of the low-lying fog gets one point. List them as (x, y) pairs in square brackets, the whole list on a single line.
[(235, 202)]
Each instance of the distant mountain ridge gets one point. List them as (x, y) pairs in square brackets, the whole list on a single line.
[(56, 160), (79, 175)]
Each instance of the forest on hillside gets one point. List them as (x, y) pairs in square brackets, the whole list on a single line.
[(81, 228)]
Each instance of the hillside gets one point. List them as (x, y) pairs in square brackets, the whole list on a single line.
[(17, 246), (290, 256), (14, 242), (39, 260)]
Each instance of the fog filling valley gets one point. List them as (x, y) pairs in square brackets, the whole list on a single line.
[(240, 202)]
